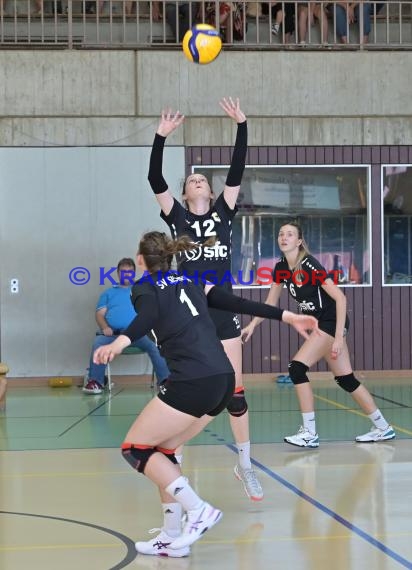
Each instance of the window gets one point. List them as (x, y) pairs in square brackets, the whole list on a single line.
[(397, 224), (330, 202)]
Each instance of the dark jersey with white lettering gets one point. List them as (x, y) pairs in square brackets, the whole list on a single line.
[(185, 332), (217, 222), (309, 295)]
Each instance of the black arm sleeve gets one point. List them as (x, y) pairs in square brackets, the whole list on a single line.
[(155, 177), (144, 321), (237, 166), (218, 298)]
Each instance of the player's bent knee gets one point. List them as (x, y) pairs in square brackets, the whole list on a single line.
[(169, 453), (297, 372), (137, 455), (348, 382), (237, 406)]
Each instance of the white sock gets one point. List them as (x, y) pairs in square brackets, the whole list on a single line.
[(172, 519), (182, 492), (244, 455), (378, 420), (309, 421)]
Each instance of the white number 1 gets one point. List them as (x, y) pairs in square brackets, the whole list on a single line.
[(185, 299)]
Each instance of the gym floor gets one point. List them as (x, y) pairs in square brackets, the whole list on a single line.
[(69, 500)]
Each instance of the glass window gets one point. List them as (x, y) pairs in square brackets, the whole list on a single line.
[(330, 202), (397, 224)]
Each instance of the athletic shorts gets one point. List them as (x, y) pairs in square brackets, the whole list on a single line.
[(209, 395), (227, 324), (329, 327)]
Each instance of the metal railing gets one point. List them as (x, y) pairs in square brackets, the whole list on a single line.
[(243, 25)]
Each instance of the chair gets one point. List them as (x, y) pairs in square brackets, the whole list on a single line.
[(134, 350)]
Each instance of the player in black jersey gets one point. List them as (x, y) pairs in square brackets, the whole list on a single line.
[(200, 218), (316, 294), (200, 386)]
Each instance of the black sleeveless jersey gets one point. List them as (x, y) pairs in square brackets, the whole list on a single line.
[(185, 333), (216, 222), (309, 295)]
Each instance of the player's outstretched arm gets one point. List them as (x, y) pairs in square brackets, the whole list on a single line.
[(234, 177), (218, 298), (169, 122)]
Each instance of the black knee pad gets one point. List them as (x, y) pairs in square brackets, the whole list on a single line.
[(297, 372), (169, 453), (348, 382), (237, 406), (136, 456)]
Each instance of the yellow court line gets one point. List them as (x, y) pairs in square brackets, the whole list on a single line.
[(127, 472), (358, 413), (348, 536), (64, 474)]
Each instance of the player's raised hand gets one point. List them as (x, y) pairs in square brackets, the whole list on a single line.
[(169, 122), (232, 108)]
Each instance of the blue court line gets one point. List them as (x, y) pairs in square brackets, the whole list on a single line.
[(353, 528)]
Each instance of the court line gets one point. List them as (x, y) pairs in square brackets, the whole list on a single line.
[(105, 401), (389, 400), (128, 542), (358, 413), (338, 518)]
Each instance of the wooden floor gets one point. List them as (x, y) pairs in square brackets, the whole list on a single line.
[(69, 501)]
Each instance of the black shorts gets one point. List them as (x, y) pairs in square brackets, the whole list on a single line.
[(329, 327), (209, 395), (227, 324)]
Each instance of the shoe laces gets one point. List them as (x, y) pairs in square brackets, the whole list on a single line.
[(251, 479)]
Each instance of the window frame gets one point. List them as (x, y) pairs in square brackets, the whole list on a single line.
[(367, 167), (383, 167)]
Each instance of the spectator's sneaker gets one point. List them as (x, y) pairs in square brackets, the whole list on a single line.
[(93, 387), (284, 379), (275, 29), (198, 522), (304, 438), (377, 434), (159, 546), (253, 488)]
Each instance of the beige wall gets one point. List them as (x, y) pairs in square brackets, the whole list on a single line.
[(294, 97)]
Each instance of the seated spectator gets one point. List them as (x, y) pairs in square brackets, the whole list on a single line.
[(38, 7), (307, 14), (114, 313), (224, 12), (128, 6), (348, 13), (232, 19), (282, 15), (91, 6), (179, 15)]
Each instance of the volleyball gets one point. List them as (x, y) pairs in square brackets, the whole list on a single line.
[(202, 44)]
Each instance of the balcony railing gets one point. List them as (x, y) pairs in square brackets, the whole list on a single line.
[(243, 25)]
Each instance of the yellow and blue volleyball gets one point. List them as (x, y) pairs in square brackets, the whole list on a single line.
[(202, 44)]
